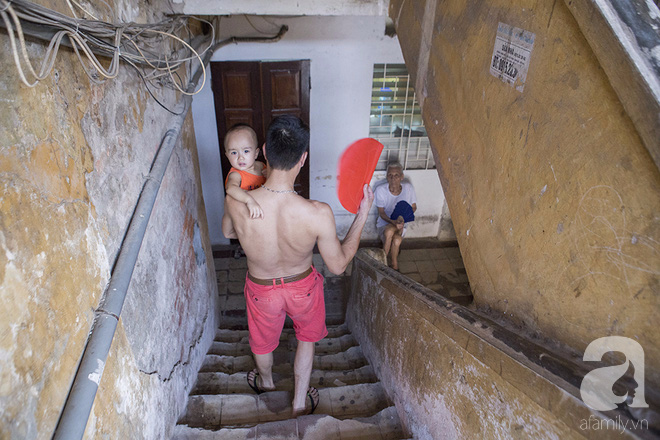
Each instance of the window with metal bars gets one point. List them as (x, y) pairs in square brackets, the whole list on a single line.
[(396, 119)]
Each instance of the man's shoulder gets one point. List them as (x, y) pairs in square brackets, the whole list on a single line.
[(310, 210), (308, 214), (317, 206)]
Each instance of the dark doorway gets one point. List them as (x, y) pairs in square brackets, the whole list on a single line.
[(255, 92)]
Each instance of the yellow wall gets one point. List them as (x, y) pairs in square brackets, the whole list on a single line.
[(555, 200), (73, 157)]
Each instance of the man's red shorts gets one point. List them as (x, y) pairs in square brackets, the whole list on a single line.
[(267, 307)]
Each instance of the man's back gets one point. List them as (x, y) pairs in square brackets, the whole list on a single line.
[(281, 243)]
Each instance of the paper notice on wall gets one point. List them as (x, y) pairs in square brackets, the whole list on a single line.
[(511, 54)]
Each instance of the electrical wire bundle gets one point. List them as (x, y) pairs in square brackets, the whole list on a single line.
[(154, 50)]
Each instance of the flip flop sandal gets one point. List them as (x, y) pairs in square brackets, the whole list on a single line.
[(253, 384), (311, 399)]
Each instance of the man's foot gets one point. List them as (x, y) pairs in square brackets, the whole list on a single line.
[(314, 397), (252, 380)]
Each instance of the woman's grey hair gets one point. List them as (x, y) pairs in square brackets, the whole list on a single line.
[(395, 165)]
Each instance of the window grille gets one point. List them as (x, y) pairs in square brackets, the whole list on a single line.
[(396, 119)]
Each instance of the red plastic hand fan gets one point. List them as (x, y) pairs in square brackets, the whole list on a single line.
[(356, 167)]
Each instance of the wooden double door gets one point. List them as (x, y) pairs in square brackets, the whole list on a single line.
[(255, 92)]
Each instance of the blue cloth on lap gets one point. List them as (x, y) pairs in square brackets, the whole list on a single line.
[(404, 210)]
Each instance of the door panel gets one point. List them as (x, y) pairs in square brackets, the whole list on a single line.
[(285, 87), (237, 96)]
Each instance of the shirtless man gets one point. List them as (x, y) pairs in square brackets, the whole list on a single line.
[(279, 249)]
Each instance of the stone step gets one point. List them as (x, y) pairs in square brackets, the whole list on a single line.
[(324, 346), (283, 362), (228, 335), (247, 410), (384, 425), (222, 383), (335, 318)]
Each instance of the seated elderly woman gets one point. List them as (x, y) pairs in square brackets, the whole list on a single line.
[(387, 199)]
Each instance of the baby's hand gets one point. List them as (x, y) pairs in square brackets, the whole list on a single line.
[(255, 209)]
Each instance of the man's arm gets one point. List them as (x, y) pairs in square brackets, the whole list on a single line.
[(337, 255), (227, 223)]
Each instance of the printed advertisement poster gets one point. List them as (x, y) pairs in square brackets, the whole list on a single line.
[(511, 55)]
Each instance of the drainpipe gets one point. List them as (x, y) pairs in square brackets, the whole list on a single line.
[(78, 405)]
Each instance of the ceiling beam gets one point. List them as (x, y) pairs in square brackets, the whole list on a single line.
[(283, 7)]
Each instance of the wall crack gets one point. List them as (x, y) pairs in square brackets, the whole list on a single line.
[(180, 362)]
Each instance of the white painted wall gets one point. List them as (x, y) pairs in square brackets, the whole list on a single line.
[(342, 51), (210, 170)]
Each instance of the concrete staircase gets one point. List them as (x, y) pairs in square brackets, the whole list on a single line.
[(353, 404)]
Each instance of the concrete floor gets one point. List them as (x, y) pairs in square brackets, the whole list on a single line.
[(436, 268)]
